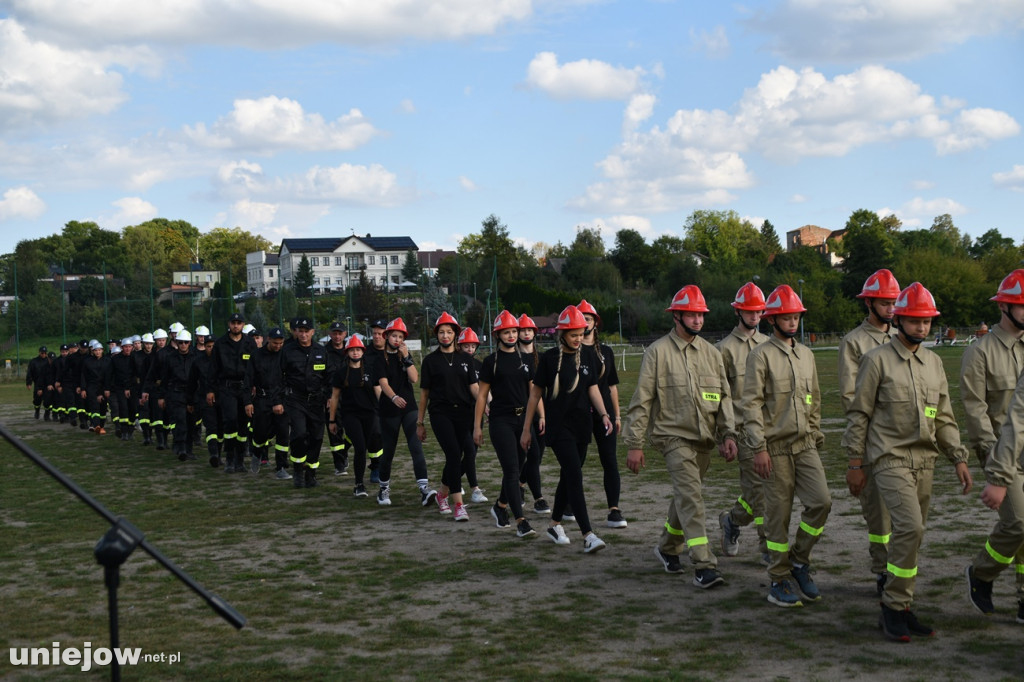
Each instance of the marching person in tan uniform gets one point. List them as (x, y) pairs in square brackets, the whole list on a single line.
[(749, 507), (989, 371), (879, 295), (899, 422), (683, 407), (782, 426)]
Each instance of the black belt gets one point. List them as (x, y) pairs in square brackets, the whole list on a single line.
[(232, 383)]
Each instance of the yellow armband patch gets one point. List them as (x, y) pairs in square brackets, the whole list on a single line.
[(245, 356), (930, 412), (809, 399), (317, 368), (713, 397)]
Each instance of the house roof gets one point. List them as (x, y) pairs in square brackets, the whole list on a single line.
[(321, 244)]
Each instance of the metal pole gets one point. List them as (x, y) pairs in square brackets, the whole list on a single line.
[(17, 325), (106, 311)]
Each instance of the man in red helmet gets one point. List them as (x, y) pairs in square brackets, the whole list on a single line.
[(989, 371), (899, 422), (749, 507), (879, 295), (782, 426), (683, 407)]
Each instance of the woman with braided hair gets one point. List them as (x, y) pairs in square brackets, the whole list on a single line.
[(602, 362), (569, 389)]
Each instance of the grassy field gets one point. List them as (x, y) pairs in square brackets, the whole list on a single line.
[(338, 588)]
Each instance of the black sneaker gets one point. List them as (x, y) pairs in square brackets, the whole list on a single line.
[(669, 561), (915, 626), (360, 491), (1020, 611), (541, 507), (525, 530), (615, 519), (707, 577), (500, 516), (428, 496), (880, 583), (979, 592), (894, 624)]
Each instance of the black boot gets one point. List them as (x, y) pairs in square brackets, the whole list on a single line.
[(310, 477), (161, 439), (46, 416), (179, 449), (298, 475), (894, 624), (146, 439), (37, 413)]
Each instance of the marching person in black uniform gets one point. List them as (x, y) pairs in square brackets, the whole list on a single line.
[(60, 413), (267, 409), (375, 353), (81, 413), (143, 361), (178, 384), (95, 387), (159, 421), (336, 357), (306, 380), (355, 398), (232, 381), (40, 379), (211, 418), (398, 409), (122, 380)]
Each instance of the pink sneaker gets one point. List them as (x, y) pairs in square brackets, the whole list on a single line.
[(460, 512), (442, 503)]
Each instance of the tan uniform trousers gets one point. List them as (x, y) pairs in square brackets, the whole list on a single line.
[(907, 493), (749, 505), (876, 516), (685, 528), (1005, 543), (799, 474)]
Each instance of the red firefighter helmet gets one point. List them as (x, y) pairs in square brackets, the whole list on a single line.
[(505, 320), (526, 322), (1011, 289), (587, 309), (749, 297), (571, 318), (915, 301), (467, 335), (353, 342), (396, 325), (689, 299), (782, 301), (881, 284), (446, 318)]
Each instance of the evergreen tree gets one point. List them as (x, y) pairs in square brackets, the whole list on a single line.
[(411, 270), (303, 281)]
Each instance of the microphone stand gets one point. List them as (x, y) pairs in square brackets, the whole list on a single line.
[(114, 548)]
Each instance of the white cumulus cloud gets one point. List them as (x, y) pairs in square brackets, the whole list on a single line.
[(264, 24), (272, 123), (880, 30), (714, 43), (346, 183), (583, 79), (976, 128), (132, 211), (21, 202), (1011, 179)]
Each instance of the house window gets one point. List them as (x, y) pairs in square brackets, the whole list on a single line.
[(271, 274), (327, 281), (370, 260), (316, 281), (394, 278), (209, 278), (394, 260), (353, 263), (338, 260), (314, 261), (184, 279)]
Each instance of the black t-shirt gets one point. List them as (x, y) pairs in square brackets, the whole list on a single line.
[(509, 378), (447, 377), (606, 374), (398, 379), (356, 384), (571, 407)]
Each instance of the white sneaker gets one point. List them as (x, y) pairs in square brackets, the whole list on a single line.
[(384, 497), (478, 496), (557, 535), (592, 543)]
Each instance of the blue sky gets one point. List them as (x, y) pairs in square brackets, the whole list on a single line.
[(421, 118)]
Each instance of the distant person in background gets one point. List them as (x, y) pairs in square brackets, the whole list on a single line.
[(468, 342), (530, 473)]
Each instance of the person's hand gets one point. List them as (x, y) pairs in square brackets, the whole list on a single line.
[(855, 481), (763, 464), (249, 411), (728, 449), (333, 428), (421, 433), (478, 435), (992, 496), (635, 460), (160, 403), (525, 439), (963, 472)]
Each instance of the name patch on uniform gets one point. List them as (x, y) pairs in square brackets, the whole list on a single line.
[(809, 399), (317, 368), (930, 412), (245, 356), (713, 397)]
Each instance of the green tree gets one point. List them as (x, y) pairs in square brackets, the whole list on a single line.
[(586, 266), (722, 236), (866, 246), (411, 270), (988, 243), (634, 258), (224, 247), (955, 243), (492, 251), (770, 239), (303, 281)]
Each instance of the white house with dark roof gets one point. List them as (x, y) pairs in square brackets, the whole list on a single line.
[(261, 271), (338, 261)]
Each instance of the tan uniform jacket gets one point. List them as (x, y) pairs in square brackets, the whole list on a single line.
[(682, 392), (988, 373), (1006, 457), (781, 400), (851, 349), (901, 414), (734, 349)]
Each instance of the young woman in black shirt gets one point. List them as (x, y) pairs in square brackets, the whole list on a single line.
[(529, 474), (355, 398)]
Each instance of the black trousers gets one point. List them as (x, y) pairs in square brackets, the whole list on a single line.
[(505, 431)]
